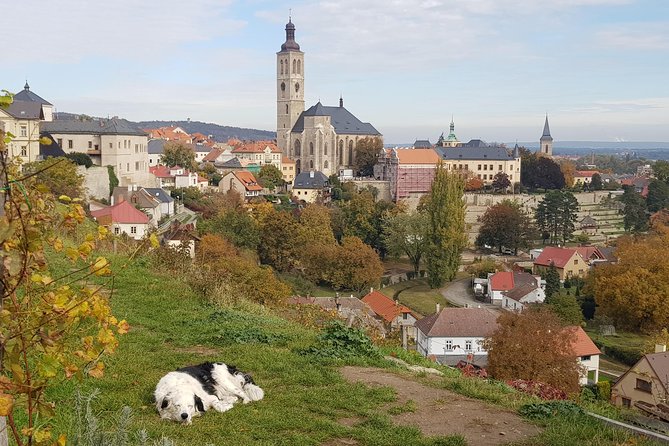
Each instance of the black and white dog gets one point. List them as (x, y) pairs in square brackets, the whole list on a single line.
[(189, 391)]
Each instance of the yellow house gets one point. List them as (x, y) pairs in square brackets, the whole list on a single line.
[(568, 262), (646, 383), (288, 170), (311, 187)]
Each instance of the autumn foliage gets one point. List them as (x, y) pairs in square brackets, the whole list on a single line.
[(633, 292), (533, 346)]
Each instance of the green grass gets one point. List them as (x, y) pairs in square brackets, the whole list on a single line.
[(417, 295)]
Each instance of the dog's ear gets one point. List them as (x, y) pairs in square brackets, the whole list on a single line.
[(164, 404), (199, 405)]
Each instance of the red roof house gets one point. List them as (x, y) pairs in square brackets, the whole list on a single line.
[(123, 218), (567, 261), (391, 312)]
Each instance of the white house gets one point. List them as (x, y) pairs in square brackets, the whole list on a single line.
[(455, 334), (242, 182), (166, 201), (587, 355), (123, 218), (512, 290), (140, 199), (175, 176)]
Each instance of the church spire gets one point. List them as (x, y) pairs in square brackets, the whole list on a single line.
[(341, 101), (290, 44), (26, 86), (452, 126), (547, 130)]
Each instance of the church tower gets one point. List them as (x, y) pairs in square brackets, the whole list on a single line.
[(546, 141), (289, 87)]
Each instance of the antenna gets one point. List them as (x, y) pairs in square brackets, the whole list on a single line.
[(290, 14)]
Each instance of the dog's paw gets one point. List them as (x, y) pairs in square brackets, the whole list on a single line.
[(221, 406), (253, 392)]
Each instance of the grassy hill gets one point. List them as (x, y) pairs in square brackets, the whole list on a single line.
[(306, 397)]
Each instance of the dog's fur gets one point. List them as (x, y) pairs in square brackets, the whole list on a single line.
[(189, 391)]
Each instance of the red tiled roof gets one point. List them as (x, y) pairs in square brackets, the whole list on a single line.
[(585, 173), (582, 344), (459, 322), (557, 256), (502, 281), (212, 155), (417, 156), (286, 160), (123, 212), (256, 147), (248, 180), (160, 171), (384, 306), (589, 252)]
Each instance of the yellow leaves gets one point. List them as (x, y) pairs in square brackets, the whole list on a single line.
[(154, 240), (103, 232), (98, 370), (101, 267), (6, 404), (41, 435), (62, 440), (48, 366), (41, 279), (70, 370), (45, 140), (17, 373), (123, 327), (64, 199)]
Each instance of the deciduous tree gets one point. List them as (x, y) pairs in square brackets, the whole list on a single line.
[(596, 182), (541, 172), (278, 245), (505, 224), (406, 234), (58, 175), (367, 155), (533, 345), (270, 177), (501, 181), (445, 210), (176, 153), (566, 307), (658, 195), (661, 170)]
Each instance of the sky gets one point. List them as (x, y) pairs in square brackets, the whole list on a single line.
[(598, 68)]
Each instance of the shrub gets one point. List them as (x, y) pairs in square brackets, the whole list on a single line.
[(626, 355), (604, 390), (340, 342), (549, 409), (536, 388), (81, 159)]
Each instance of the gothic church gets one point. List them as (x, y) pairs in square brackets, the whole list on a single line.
[(322, 138)]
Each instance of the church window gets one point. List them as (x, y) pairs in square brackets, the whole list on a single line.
[(286, 110), (325, 151), (340, 151), (350, 152), (294, 66), (311, 148), (297, 166), (281, 65), (311, 164), (299, 67), (297, 87), (325, 164), (297, 147)]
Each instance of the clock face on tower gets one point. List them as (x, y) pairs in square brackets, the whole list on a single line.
[(297, 87)]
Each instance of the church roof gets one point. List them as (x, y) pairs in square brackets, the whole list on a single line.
[(476, 153), (290, 44), (547, 131), (29, 96), (343, 121), (95, 127)]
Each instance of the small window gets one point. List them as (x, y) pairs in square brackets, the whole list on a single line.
[(468, 345), (449, 346), (96, 147), (111, 145), (627, 403), (500, 167), (644, 386), (485, 167), (117, 230), (479, 167), (24, 130), (585, 358), (133, 229), (24, 151), (90, 144), (60, 142), (70, 144), (575, 261)]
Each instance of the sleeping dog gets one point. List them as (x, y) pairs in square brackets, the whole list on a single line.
[(190, 391)]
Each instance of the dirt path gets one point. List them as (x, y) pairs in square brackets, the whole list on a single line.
[(440, 412)]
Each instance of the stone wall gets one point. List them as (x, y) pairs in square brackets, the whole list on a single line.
[(382, 186), (96, 181)]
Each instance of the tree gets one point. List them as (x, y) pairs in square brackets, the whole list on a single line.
[(552, 278), (367, 155), (661, 170), (596, 182), (566, 307), (270, 177), (235, 225), (445, 210), (533, 345), (658, 195), (52, 327), (315, 226), (556, 215), (540, 172), (473, 184), (58, 175), (635, 217), (501, 181), (568, 169), (406, 234), (176, 153), (633, 291), (80, 159), (505, 224)]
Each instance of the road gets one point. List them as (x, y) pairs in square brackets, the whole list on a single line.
[(459, 293)]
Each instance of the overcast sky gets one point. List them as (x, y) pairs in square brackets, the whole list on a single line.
[(599, 68)]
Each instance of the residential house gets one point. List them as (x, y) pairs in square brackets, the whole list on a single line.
[(201, 151), (455, 334), (260, 153), (219, 155), (587, 355), (288, 170), (109, 142), (165, 199), (482, 161), (409, 171), (512, 290), (391, 312), (583, 177), (646, 384), (235, 164), (155, 150), (588, 225), (141, 199), (22, 119), (567, 261), (640, 184), (591, 254), (123, 218), (350, 308), (179, 236), (170, 133), (311, 187), (241, 182), (176, 177)]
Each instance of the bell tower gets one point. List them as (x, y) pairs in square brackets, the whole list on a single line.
[(289, 88), (546, 141)]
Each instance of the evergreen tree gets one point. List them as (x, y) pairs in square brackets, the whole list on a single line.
[(658, 195), (635, 217), (556, 215), (445, 210), (552, 278), (596, 183)]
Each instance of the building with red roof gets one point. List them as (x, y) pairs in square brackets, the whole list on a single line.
[(587, 354), (261, 153), (242, 182), (582, 177), (123, 218), (513, 289), (410, 171), (391, 312), (175, 176), (567, 261)]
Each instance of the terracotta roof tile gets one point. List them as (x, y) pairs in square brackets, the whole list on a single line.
[(248, 180), (417, 156), (384, 306), (557, 256), (459, 322), (256, 147), (583, 345), (122, 212), (585, 173), (502, 281)]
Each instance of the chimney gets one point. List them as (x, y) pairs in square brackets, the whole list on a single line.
[(397, 303), (660, 348), (311, 174), (371, 289), (341, 101), (438, 308)]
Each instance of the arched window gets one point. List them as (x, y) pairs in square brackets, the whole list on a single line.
[(299, 67), (325, 150), (350, 152), (294, 65), (297, 166), (340, 151), (297, 147), (311, 148), (311, 164), (325, 164), (286, 108), (281, 65)]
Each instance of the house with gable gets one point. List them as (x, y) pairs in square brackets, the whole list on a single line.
[(392, 313), (646, 384), (567, 261), (587, 355), (261, 153), (512, 290), (165, 199), (175, 176), (123, 218), (583, 177), (456, 334), (591, 254), (311, 187), (242, 182), (140, 199)]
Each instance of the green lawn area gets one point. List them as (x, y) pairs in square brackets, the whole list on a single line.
[(621, 348), (417, 295)]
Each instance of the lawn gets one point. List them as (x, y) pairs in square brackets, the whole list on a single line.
[(417, 295)]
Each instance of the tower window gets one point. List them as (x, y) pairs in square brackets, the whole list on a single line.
[(286, 109), (294, 66), (325, 151), (297, 147), (299, 67), (281, 64), (325, 164), (311, 164), (297, 87), (311, 148)]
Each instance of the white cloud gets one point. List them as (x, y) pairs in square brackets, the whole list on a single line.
[(635, 36)]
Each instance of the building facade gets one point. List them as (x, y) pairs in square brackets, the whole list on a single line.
[(482, 162)]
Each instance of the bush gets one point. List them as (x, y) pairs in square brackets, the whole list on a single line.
[(536, 388), (81, 159), (300, 285), (604, 390), (549, 409), (626, 355), (340, 342)]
